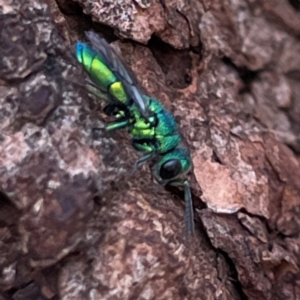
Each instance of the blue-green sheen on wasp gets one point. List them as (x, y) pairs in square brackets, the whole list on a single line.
[(152, 128)]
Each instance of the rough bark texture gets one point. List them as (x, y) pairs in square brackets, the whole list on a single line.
[(75, 225)]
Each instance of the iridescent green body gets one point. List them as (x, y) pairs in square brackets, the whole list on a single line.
[(145, 137), (152, 128), (163, 137), (100, 73)]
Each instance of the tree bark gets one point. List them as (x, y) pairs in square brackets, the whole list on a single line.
[(75, 225)]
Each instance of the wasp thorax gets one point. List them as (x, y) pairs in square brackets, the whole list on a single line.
[(152, 120), (170, 169)]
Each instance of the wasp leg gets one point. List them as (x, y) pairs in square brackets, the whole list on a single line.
[(145, 146), (119, 123), (142, 160), (189, 211), (96, 91), (111, 110)]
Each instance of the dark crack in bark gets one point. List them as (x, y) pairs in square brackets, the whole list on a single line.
[(74, 225)]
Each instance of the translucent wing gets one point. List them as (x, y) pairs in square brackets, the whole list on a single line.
[(115, 63)]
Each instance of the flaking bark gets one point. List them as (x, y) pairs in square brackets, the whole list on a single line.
[(75, 225)]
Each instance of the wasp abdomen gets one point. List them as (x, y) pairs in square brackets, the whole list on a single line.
[(99, 72)]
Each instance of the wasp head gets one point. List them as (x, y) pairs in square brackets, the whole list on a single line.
[(171, 165)]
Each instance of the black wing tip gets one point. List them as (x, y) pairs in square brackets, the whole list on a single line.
[(93, 36), (91, 33)]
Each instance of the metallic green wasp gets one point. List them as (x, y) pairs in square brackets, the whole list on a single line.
[(152, 128)]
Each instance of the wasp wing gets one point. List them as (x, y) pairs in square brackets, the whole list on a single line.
[(114, 62)]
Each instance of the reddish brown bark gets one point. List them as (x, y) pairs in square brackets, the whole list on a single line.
[(75, 225)]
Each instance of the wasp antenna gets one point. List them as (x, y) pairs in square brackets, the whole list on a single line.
[(189, 227), (189, 211)]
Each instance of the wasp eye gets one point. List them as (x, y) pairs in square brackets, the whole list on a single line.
[(170, 169)]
